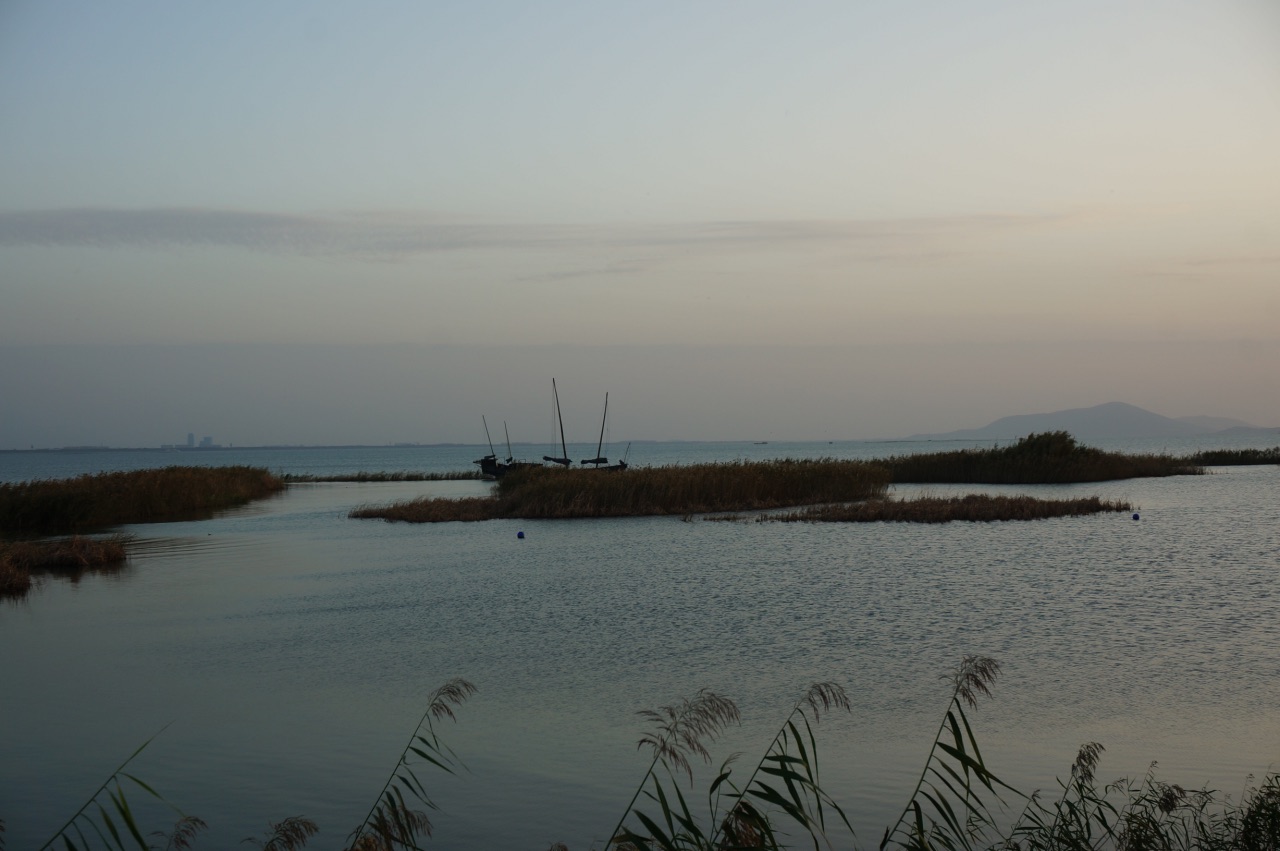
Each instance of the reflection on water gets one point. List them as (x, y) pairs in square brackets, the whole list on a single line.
[(293, 648)]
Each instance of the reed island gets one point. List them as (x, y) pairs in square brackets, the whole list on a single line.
[(30, 512), (850, 491)]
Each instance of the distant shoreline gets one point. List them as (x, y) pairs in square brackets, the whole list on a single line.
[(237, 448), (199, 449)]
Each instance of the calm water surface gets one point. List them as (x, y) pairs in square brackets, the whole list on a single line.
[(291, 650)]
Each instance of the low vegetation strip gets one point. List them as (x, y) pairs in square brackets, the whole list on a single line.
[(1237, 457), (1048, 458), (19, 560), (695, 489), (89, 502), (431, 510), (450, 476), (972, 507), (737, 486)]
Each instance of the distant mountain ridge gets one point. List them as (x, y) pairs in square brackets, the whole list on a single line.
[(1110, 420)]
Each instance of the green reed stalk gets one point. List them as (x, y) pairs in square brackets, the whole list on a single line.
[(680, 732), (745, 824), (951, 775), (118, 803), (391, 820)]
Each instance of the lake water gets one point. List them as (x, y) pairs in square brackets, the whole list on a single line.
[(291, 649)]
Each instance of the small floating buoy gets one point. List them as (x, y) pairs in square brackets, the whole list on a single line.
[(520, 534), (1135, 517)]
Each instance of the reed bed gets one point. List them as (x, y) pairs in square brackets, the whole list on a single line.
[(430, 510), (700, 488), (971, 508), (14, 580), (1237, 457), (89, 502), (1047, 458), (449, 476), (738, 486), (19, 560)]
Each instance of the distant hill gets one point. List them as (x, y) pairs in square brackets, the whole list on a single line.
[(1114, 419)]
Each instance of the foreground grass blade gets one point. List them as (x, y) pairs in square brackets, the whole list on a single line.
[(797, 792), (392, 821), (946, 783), (682, 731), (114, 790)]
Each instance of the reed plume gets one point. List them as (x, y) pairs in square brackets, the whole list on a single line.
[(785, 780), (392, 821), (288, 835), (680, 731), (946, 811)]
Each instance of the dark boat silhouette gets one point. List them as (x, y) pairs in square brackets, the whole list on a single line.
[(600, 462), (491, 466), (563, 460)]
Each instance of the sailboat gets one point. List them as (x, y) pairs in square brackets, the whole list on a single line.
[(563, 460), (490, 465), (600, 462)]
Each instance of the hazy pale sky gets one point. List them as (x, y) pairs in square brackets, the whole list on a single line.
[(331, 222)]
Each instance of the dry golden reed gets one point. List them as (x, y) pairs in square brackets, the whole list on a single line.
[(405, 476), (19, 560), (695, 489), (1047, 458), (972, 508), (98, 501)]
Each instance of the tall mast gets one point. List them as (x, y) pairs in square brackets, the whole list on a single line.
[(487, 437), (563, 460), (599, 459), (603, 420), (564, 453), (508, 434)]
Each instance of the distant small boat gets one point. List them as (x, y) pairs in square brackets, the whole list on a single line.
[(600, 462), (490, 465), (563, 460)]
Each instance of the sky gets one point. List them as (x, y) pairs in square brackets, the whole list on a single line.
[(321, 222)]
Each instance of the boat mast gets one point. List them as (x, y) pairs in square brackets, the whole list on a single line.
[(492, 454), (564, 453), (599, 459), (508, 434), (563, 460), (604, 419)]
